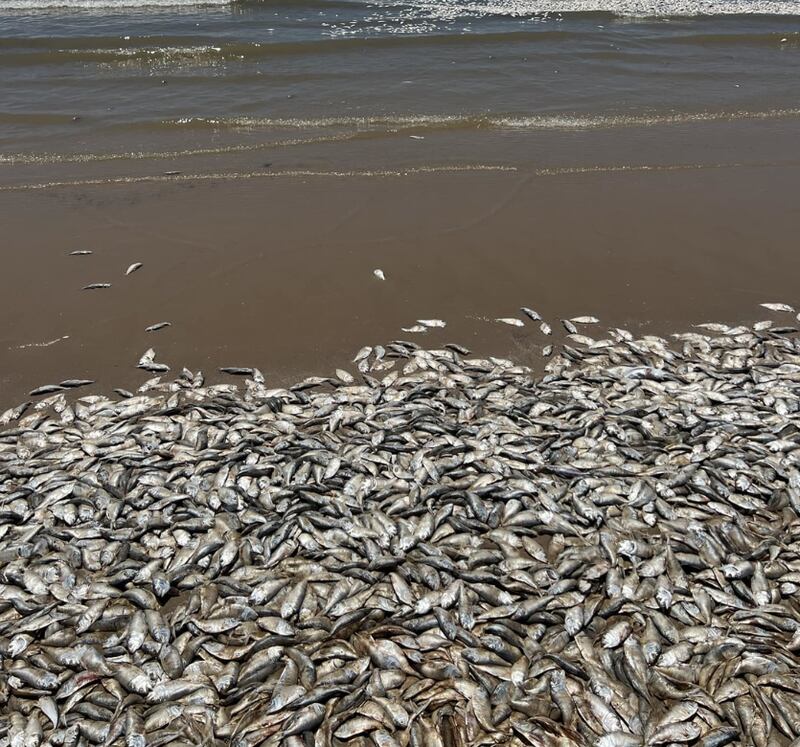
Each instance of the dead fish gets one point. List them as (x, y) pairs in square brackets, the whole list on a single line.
[(778, 307), (135, 266), (431, 322), (237, 370), (416, 328), (75, 383), (511, 321), (545, 328), (569, 326), (96, 286), (531, 314), (46, 389), (80, 253), (585, 320), (379, 274), (158, 326)]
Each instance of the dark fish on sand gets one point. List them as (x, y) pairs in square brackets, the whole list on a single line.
[(47, 389)]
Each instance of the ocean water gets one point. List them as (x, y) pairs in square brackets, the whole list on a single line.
[(88, 80)]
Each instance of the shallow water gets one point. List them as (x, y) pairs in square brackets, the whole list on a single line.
[(101, 77)]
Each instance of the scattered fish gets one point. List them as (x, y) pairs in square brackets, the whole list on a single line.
[(531, 314), (135, 266), (158, 326), (778, 307), (147, 362), (569, 326), (75, 383), (416, 328), (96, 286), (237, 370), (47, 389), (585, 320), (511, 321), (545, 328), (431, 322), (80, 253)]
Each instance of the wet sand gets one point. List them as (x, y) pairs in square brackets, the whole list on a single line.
[(277, 272)]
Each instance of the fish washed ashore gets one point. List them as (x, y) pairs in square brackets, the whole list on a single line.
[(446, 551)]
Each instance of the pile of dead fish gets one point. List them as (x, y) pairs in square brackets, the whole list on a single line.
[(440, 551)]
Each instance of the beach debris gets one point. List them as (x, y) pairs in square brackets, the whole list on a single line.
[(157, 326), (569, 326), (80, 253), (431, 322), (511, 321), (458, 552), (46, 389), (45, 344), (135, 266), (778, 307), (379, 274), (585, 320), (545, 328), (531, 314), (96, 286)]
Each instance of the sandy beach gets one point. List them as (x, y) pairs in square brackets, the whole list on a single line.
[(275, 270), (399, 374)]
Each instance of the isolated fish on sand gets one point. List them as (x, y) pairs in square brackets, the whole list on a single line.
[(453, 551)]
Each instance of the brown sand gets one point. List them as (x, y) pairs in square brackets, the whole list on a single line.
[(278, 272)]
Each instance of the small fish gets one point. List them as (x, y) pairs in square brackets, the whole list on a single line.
[(432, 322), (158, 326), (379, 274), (545, 328), (75, 383), (585, 320), (135, 266), (416, 328), (569, 326), (148, 356), (237, 370), (96, 286), (531, 314), (778, 307), (46, 389), (80, 253), (511, 321)]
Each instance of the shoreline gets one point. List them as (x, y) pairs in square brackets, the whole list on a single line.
[(277, 271)]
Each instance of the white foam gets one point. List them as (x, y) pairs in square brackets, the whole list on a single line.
[(33, 5), (452, 9)]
